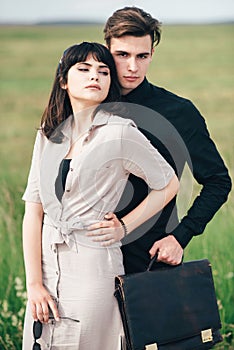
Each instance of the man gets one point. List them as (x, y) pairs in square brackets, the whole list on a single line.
[(131, 35)]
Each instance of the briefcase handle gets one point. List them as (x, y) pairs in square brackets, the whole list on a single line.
[(154, 258), (152, 261)]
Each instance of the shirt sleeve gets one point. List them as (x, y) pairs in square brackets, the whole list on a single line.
[(32, 191), (209, 170), (141, 159)]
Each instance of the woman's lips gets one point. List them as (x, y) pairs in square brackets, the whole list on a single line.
[(93, 86)]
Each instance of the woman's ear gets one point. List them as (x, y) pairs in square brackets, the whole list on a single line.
[(62, 84)]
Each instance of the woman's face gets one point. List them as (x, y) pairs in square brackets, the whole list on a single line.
[(88, 83)]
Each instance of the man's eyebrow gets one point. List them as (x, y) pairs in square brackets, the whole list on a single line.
[(90, 65), (138, 54)]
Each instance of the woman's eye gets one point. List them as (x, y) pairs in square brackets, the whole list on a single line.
[(83, 69), (104, 73)]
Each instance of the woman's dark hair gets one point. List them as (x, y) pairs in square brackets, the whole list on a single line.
[(59, 106)]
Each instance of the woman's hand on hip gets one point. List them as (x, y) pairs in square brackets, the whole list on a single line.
[(41, 303), (108, 231)]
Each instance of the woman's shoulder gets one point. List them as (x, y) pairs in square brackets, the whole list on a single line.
[(117, 120), (40, 139)]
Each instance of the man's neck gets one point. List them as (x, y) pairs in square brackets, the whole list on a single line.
[(126, 91)]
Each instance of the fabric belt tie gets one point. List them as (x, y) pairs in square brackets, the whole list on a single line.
[(72, 232)]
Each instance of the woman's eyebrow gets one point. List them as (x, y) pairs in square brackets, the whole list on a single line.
[(90, 65)]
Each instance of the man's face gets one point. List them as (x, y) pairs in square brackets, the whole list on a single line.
[(132, 57)]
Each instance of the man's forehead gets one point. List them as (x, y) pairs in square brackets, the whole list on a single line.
[(131, 44)]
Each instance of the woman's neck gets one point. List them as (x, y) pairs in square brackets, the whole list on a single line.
[(83, 120)]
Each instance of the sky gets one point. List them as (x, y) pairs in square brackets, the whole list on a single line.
[(167, 11)]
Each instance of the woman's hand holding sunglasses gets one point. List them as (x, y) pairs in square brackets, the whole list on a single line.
[(41, 303)]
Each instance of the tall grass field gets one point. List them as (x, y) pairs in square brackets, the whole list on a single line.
[(193, 61)]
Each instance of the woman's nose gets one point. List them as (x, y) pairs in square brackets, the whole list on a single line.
[(94, 76)]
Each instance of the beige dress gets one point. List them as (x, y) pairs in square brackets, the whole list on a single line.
[(79, 273)]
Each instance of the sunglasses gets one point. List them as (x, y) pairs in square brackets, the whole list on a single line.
[(37, 330)]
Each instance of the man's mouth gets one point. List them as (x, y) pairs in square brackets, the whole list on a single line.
[(130, 78)]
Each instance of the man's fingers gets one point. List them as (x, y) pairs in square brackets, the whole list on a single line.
[(154, 250)]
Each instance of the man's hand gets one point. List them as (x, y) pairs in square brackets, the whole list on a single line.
[(169, 250)]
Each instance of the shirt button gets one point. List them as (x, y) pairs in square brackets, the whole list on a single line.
[(57, 272), (68, 190), (71, 169), (55, 251)]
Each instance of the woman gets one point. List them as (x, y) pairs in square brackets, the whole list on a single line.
[(82, 158)]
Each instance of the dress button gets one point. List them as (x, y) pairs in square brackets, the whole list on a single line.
[(57, 272), (68, 190), (71, 169), (55, 251)]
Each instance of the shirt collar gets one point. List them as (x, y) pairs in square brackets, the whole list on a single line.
[(100, 118), (139, 94)]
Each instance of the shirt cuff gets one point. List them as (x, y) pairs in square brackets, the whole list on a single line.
[(183, 235)]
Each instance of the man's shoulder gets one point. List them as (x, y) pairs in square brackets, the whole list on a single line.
[(166, 95), (171, 105)]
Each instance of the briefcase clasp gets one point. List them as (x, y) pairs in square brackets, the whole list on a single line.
[(151, 347), (206, 335)]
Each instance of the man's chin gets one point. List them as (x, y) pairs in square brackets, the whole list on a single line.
[(127, 88)]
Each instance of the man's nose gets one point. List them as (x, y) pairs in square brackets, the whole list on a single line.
[(132, 64)]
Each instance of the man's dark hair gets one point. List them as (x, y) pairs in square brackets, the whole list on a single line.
[(132, 21)]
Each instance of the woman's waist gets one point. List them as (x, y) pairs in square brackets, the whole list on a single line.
[(72, 231)]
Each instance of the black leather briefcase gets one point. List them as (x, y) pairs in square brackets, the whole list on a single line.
[(169, 308)]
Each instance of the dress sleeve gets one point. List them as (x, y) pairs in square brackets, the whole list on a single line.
[(141, 159), (32, 191)]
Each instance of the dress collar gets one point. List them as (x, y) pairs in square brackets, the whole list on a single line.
[(100, 118)]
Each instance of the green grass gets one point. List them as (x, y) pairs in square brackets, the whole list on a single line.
[(193, 61)]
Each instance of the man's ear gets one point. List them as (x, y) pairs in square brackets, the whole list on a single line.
[(152, 52), (106, 46)]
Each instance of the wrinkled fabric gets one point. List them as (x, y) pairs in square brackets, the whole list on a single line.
[(82, 284), (79, 273)]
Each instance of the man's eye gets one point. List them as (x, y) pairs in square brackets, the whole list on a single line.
[(122, 54), (143, 56)]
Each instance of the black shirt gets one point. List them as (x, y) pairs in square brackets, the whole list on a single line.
[(177, 129)]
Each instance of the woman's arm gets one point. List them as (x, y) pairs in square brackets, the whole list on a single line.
[(151, 205), (111, 230), (38, 296)]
